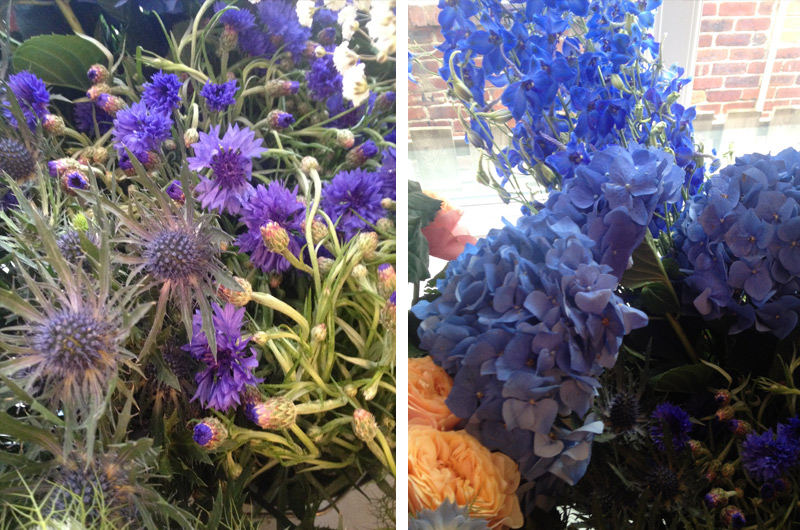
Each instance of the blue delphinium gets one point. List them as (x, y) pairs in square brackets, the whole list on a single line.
[(32, 96), (223, 381), (162, 92), (230, 159), (219, 96), (767, 457), (272, 204), (352, 199), (678, 426), (737, 240), (140, 130)]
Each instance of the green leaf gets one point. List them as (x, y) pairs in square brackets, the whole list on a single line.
[(689, 378), (658, 299), (421, 211), (61, 60), (647, 267)]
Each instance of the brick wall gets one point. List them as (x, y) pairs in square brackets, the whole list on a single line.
[(731, 59)]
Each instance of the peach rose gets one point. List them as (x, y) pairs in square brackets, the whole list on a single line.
[(446, 238), (453, 465), (428, 387)]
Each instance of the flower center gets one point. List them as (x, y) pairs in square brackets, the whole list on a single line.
[(230, 168)]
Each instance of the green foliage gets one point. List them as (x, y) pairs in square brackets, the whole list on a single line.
[(61, 60), (421, 211)]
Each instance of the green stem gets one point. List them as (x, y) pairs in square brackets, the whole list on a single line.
[(320, 406), (305, 440), (69, 16), (683, 338), (273, 303)]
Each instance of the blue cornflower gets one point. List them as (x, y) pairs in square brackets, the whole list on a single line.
[(175, 192), (225, 378), (388, 174), (767, 457), (283, 29), (237, 20), (231, 164), (163, 92), (272, 204), (352, 200), (253, 42), (87, 113), (140, 129), (677, 422), (32, 96), (323, 80), (218, 97)]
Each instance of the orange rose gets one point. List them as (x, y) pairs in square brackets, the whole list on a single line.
[(428, 386), (453, 465), (446, 238)]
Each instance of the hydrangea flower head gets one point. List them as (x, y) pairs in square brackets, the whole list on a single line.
[(32, 96), (352, 200), (677, 421), (230, 160), (219, 96), (272, 204), (225, 378), (162, 92)]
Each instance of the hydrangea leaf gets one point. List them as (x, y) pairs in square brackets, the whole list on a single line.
[(658, 299), (647, 267), (61, 60), (421, 211), (685, 379)]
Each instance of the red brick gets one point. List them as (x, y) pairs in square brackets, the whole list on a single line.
[(748, 54), (789, 92), (758, 39), (756, 68), (753, 24), (769, 105), (705, 41), (702, 69), (727, 9), (416, 113), (419, 123), (706, 107), (698, 96), (446, 112), (771, 92), (738, 106), (716, 25), (789, 66), (750, 93), (782, 80), (732, 39), (765, 8), (728, 68), (439, 83), (788, 53), (795, 102), (416, 16), (713, 54), (703, 83), (798, 80), (742, 81), (709, 9), (715, 96)]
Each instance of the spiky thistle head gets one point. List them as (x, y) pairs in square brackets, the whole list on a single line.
[(17, 160)]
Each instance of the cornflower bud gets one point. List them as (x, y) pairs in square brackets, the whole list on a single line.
[(716, 498), (175, 192), (191, 136), (169, 145), (99, 155), (739, 428), (387, 280), (228, 40), (110, 103), (385, 225), (53, 124), (97, 74), (360, 272), (725, 413), (278, 88), (271, 413), (367, 242), (275, 280), (74, 180), (80, 223), (723, 398), (364, 425), (98, 89), (350, 390), (308, 164), (319, 52), (733, 517), (325, 264), (388, 204), (279, 120), (319, 333), (345, 138), (358, 155), (389, 312), (727, 470), (210, 433), (319, 231), (237, 298), (59, 167), (275, 237)]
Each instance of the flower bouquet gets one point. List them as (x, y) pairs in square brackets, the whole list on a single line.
[(197, 279), (625, 352)]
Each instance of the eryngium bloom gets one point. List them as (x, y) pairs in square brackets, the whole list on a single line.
[(16, 160), (448, 516)]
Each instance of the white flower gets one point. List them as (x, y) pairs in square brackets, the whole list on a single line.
[(354, 85), (363, 5), (382, 27), (255, 1), (347, 19), (305, 12), (344, 58), (335, 5)]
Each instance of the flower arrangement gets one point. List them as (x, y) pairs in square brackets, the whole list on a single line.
[(628, 342), (197, 278)]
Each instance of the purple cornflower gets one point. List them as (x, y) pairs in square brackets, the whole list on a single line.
[(87, 113), (360, 154), (353, 199), (218, 97), (175, 192), (32, 96), (237, 20), (77, 180), (678, 424), (140, 129), (767, 457), (230, 159), (163, 92), (273, 204), (277, 119), (323, 80), (220, 385), (388, 174), (283, 29)]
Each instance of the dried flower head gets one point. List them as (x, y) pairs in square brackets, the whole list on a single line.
[(17, 160)]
